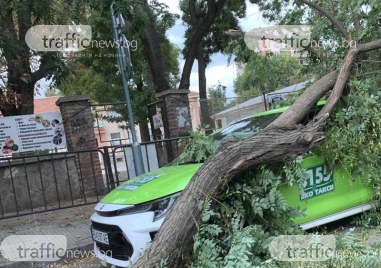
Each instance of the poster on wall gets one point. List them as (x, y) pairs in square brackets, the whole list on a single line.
[(157, 121), (183, 117), (31, 132)]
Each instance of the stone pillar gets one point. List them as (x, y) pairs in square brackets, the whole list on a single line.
[(176, 117), (79, 131)]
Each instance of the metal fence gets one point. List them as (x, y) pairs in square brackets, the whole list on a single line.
[(40, 183), (47, 182), (51, 181), (215, 113), (119, 162)]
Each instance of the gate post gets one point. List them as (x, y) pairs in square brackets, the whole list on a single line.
[(79, 131), (108, 168), (177, 118)]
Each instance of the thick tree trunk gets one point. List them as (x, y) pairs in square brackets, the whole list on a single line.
[(17, 98), (201, 73), (204, 106), (276, 143), (281, 140), (154, 55), (214, 9), (271, 145)]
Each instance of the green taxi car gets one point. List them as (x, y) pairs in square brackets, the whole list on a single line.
[(127, 218)]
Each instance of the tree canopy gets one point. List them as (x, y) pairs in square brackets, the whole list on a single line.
[(263, 74), (21, 67), (285, 138), (95, 70)]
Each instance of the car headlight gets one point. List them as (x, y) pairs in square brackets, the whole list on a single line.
[(160, 207)]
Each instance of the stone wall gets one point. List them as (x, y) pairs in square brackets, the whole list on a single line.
[(37, 182)]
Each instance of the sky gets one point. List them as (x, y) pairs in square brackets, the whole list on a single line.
[(218, 71)]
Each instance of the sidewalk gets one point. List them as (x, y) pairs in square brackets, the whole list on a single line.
[(74, 223)]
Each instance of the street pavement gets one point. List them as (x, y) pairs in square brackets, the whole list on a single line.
[(74, 223)]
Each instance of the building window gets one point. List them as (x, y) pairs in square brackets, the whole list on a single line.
[(218, 123), (116, 139), (303, 62)]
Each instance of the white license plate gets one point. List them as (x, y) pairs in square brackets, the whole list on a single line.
[(100, 236)]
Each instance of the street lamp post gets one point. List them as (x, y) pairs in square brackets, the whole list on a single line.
[(124, 64)]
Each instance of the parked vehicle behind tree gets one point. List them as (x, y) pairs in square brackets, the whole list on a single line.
[(128, 218)]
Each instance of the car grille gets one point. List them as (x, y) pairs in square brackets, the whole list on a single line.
[(120, 248)]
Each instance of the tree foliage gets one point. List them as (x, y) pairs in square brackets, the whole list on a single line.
[(284, 139), (197, 148), (237, 233), (217, 98), (354, 138), (96, 71), (263, 74), (22, 68), (206, 21)]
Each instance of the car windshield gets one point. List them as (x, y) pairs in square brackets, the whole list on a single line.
[(239, 130), (245, 128)]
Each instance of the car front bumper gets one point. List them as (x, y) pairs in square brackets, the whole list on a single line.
[(129, 234)]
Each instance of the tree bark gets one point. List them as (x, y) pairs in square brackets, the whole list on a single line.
[(274, 144), (214, 9), (17, 97), (281, 140), (304, 103), (201, 73), (204, 105), (154, 55)]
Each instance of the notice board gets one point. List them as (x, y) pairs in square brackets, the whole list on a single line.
[(31, 132)]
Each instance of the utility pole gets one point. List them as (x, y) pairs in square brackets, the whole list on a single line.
[(124, 63)]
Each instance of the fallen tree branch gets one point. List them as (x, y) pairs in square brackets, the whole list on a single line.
[(341, 81), (339, 26), (280, 141), (271, 145), (305, 102), (376, 44), (344, 73)]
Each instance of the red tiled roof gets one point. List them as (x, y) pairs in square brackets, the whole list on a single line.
[(46, 105)]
